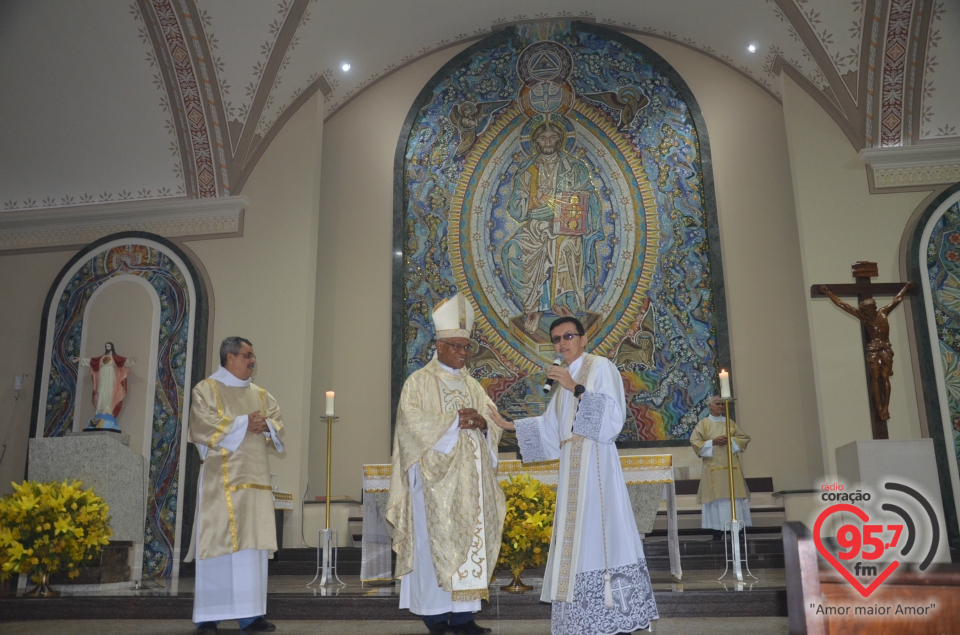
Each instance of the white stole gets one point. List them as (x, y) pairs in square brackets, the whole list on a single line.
[(568, 519)]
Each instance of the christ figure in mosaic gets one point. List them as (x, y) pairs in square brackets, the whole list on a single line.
[(551, 260)]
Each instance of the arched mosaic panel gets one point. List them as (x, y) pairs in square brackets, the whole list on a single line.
[(558, 169), (162, 269), (943, 272)]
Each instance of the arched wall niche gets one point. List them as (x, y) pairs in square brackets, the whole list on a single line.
[(648, 278), (178, 356), (135, 336), (933, 259)]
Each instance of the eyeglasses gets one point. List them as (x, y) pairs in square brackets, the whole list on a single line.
[(247, 355), (460, 348), (566, 336)]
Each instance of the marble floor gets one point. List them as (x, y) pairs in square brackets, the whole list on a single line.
[(675, 626)]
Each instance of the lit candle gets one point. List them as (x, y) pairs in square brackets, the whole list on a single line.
[(724, 384), (330, 394)]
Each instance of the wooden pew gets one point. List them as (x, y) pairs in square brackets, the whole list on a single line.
[(821, 602)]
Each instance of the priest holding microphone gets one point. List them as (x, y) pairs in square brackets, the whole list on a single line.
[(596, 575)]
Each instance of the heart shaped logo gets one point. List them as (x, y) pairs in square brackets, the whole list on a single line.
[(862, 515)]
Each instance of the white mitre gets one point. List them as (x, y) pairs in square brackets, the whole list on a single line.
[(453, 317)]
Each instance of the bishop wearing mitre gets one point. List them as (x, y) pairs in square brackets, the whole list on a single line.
[(445, 503)]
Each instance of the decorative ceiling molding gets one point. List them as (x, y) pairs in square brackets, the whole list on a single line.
[(896, 46), (70, 227), (168, 74), (908, 168), (188, 97), (212, 140)]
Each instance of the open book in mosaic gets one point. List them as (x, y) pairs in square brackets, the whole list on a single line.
[(559, 169)]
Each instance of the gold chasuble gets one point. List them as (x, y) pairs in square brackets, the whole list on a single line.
[(714, 478), (236, 500), (465, 506)]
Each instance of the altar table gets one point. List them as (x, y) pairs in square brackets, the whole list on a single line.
[(649, 480)]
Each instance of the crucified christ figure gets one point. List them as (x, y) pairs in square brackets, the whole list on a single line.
[(879, 351)]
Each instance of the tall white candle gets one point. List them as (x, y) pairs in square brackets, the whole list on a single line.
[(330, 395), (724, 384)]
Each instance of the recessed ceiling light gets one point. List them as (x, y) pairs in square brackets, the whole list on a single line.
[(345, 66), (752, 48)]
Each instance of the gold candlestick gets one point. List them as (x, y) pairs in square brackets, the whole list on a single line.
[(733, 502), (330, 421)]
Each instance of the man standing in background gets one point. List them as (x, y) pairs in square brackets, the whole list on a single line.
[(709, 441)]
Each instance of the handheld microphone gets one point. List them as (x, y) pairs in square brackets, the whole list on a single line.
[(547, 385)]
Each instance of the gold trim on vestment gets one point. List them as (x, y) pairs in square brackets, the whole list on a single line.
[(380, 489), (471, 595), (237, 488), (222, 424), (573, 493), (570, 523), (651, 481), (226, 493)]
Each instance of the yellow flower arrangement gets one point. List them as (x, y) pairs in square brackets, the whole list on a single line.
[(51, 527), (528, 527)]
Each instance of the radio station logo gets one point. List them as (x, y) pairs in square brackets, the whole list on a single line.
[(871, 545)]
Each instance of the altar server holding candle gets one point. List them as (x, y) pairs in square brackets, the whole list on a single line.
[(445, 503), (709, 441)]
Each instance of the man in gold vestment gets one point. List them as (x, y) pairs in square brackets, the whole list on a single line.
[(232, 422), (709, 441), (445, 503)]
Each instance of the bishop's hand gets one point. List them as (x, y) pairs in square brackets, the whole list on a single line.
[(470, 419)]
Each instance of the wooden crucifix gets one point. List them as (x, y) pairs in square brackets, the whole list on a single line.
[(878, 354)]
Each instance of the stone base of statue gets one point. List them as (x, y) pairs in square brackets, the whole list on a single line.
[(103, 462)]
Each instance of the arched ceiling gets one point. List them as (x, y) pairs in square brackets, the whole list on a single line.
[(121, 100)]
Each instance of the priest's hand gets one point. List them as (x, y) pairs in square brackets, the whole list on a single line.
[(720, 440), (256, 423), (500, 421), (561, 375), (470, 419)]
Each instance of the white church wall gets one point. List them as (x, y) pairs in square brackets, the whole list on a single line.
[(840, 222), (265, 282), (24, 283)]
